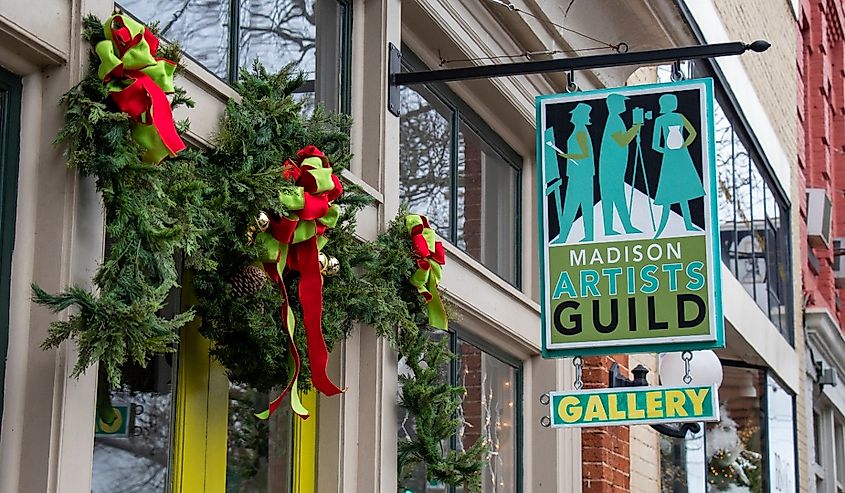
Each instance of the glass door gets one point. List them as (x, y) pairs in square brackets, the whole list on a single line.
[(184, 428)]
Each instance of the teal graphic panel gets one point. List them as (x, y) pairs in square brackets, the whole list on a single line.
[(627, 219)]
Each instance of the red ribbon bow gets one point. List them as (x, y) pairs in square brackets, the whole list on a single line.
[(137, 83), (302, 232)]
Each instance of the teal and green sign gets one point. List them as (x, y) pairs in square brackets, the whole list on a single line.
[(115, 425), (628, 211), (633, 406)]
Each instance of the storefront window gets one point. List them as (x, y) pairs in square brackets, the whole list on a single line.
[(226, 36), (490, 411), (751, 449), (781, 433), (753, 214), (457, 171), (259, 456), (426, 157), (10, 108)]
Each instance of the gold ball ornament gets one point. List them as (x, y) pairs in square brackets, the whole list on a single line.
[(329, 266), (263, 221), (250, 235)]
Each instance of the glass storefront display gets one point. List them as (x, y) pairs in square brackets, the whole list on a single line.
[(490, 411), (139, 460), (751, 449)]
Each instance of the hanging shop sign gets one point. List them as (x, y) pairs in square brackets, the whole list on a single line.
[(629, 220), (633, 406)]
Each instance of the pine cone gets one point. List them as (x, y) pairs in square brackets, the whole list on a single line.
[(248, 281)]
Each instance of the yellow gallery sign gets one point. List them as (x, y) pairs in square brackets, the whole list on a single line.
[(638, 405)]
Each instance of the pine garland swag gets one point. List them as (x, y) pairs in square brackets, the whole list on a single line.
[(152, 211)]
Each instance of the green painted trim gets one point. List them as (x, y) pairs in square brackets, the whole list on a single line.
[(234, 40), (715, 265), (10, 128), (346, 57)]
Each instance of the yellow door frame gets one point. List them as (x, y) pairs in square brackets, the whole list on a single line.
[(201, 421)]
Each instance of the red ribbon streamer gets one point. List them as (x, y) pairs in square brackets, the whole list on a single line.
[(303, 257)]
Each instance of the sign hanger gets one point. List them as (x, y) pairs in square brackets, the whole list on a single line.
[(397, 78)]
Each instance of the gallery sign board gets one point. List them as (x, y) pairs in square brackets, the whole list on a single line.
[(628, 221), (633, 406)]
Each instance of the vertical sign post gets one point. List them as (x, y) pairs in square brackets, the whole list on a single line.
[(629, 231)]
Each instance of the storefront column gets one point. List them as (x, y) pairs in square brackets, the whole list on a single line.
[(551, 456), (47, 432), (364, 421)]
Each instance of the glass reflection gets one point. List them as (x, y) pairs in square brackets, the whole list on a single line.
[(259, 453), (425, 157), (138, 462), (201, 27), (781, 433), (489, 412), (486, 204)]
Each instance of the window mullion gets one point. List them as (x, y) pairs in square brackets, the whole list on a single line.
[(453, 177), (234, 38)]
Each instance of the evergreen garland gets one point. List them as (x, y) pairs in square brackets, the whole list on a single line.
[(200, 204), (258, 133), (152, 212)]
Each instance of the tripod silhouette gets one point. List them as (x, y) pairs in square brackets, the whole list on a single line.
[(639, 162)]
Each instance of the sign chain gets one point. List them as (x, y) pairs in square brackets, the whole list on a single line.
[(578, 362), (687, 357)]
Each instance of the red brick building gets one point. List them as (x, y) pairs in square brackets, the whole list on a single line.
[(821, 159)]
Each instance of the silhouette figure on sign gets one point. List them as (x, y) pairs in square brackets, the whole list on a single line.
[(679, 181), (613, 162), (580, 171), (552, 173)]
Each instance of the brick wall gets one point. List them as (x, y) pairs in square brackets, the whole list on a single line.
[(820, 108), (605, 451), (821, 157)]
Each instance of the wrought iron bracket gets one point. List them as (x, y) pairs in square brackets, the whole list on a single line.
[(397, 78), (617, 380)]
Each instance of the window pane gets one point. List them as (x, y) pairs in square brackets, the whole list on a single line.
[(734, 445), (682, 464), (304, 32), (416, 480), (486, 204), (425, 157), (744, 228), (839, 450), (758, 244), (489, 412), (138, 461), (259, 453), (201, 27), (781, 437), (725, 185)]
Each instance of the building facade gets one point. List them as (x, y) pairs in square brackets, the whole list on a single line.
[(820, 111), (464, 155)]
